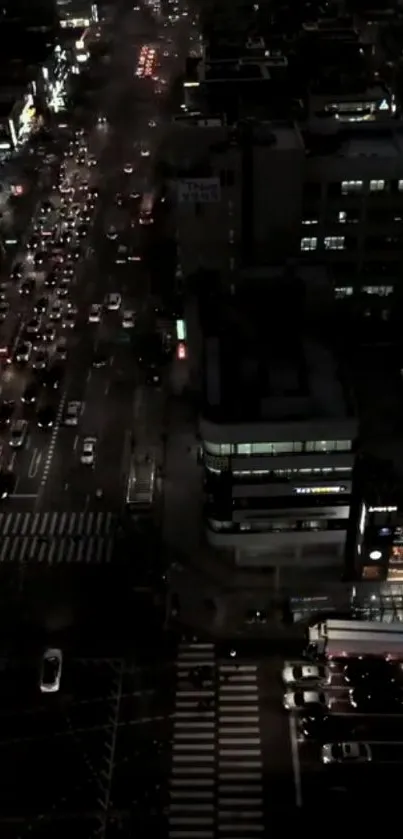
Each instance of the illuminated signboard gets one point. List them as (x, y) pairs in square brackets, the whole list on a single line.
[(325, 490)]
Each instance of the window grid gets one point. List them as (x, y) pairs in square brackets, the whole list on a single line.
[(278, 448)]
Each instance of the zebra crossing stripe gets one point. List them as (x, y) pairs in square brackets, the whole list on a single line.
[(57, 524), (56, 538)]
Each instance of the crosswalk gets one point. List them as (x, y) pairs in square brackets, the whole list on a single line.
[(216, 783), (57, 524), (56, 538)]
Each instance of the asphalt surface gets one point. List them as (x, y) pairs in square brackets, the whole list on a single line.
[(116, 404)]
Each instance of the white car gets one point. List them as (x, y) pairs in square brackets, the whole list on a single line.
[(73, 412), (113, 301), (128, 169), (305, 673), (354, 752), (128, 319), (298, 700), (87, 456), (51, 671), (18, 433), (95, 313)]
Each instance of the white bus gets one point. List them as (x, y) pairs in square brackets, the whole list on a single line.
[(141, 486), (146, 212)]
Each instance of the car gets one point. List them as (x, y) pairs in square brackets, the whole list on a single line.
[(73, 412), (33, 326), (305, 673), (295, 700), (112, 233), (30, 393), (82, 230), (145, 151), (46, 416), (51, 280), (151, 122), (27, 287), (48, 335), (8, 481), (18, 433), (128, 319), (95, 313), (18, 272), (40, 360), (54, 375), (68, 270), (6, 412), (346, 753), (41, 305), (122, 255), (4, 309), (69, 319), (101, 119), (75, 252), (51, 671), (40, 258), (63, 289), (128, 169), (119, 198), (4, 287), (363, 670), (87, 456), (23, 352), (92, 161), (55, 312), (113, 301), (376, 699)]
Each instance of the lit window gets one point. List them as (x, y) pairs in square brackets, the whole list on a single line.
[(341, 292), (244, 448), (335, 243), (351, 186), (325, 446), (380, 290), (376, 186), (309, 221), (309, 243)]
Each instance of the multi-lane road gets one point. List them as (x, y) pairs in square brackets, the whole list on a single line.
[(116, 405)]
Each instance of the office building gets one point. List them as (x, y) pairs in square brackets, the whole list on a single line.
[(277, 434)]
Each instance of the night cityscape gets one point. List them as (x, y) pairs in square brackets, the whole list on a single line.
[(201, 416)]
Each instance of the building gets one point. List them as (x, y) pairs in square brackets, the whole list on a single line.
[(260, 194), (277, 434)]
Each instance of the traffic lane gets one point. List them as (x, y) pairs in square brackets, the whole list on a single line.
[(277, 738)]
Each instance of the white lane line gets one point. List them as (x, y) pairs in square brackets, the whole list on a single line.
[(296, 767), (52, 444)]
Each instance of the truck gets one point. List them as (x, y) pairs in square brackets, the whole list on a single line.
[(355, 638)]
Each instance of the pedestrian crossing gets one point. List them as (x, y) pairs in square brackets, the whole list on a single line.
[(56, 538), (216, 783), (57, 524)]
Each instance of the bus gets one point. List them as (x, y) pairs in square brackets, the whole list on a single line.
[(146, 212), (141, 486)]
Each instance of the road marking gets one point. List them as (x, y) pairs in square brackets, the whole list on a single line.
[(295, 760), (52, 444), (34, 464)]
